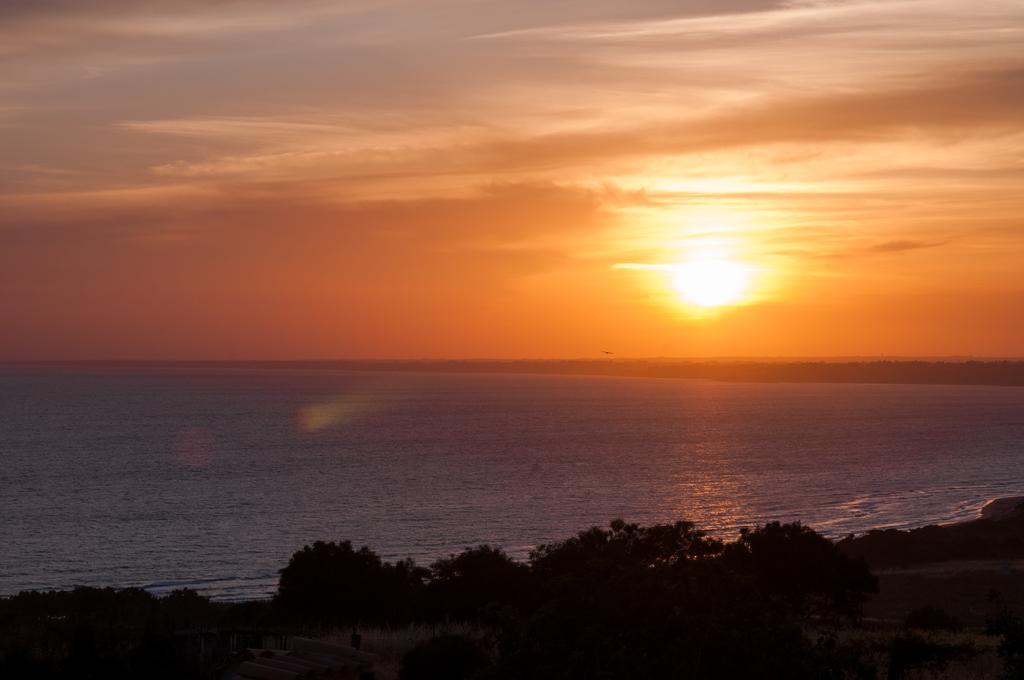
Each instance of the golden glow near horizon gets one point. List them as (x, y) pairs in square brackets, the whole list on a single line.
[(392, 178)]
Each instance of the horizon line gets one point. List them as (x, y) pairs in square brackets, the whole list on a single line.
[(482, 359)]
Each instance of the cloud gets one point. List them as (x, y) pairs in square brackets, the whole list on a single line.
[(841, 22), (528, 11), (901, 246), (15, 9), (495, 216), (810, 247), (150, 30), (966, 105), (41, 26), (390, 92), (972, 103)]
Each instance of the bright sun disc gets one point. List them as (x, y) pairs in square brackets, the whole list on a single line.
[(712, 282)]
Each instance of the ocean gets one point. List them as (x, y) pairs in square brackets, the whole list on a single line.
[(210, 478)]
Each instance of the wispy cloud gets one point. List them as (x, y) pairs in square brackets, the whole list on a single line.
[(902, 246)]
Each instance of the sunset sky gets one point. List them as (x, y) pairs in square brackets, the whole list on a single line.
[(186, 179)]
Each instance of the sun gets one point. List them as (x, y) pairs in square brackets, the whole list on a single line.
[(712, 281)]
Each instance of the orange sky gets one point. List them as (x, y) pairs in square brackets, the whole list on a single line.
[(479, 178)]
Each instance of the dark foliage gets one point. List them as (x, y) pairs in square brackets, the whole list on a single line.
[(623, 546), (931, 618), (801, 570), (911, 652), (447, 657), (1010, 628), (463, 586), (623, 602), (667, 601), (92, 632), (333, 584), (251, 614)]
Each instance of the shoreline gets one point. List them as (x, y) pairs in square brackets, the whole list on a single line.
[(978, 544), (1000, 508)]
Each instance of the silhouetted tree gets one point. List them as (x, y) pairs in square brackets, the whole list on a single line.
[(184, 608), (625, 601), (101, 633), (462, 586), (666, 601), (802, 570), (334, 584), (623, 546)]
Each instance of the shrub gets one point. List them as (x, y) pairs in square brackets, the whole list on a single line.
[(447, 657), (912, 652), (1010, 628), (931, 618)]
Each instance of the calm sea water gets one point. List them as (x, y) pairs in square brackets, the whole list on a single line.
[(211, 478)]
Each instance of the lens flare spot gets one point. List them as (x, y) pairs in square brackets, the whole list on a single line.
[(327, 414)]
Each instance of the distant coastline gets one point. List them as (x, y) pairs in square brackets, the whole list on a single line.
[(993, 536), (953, 371)]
